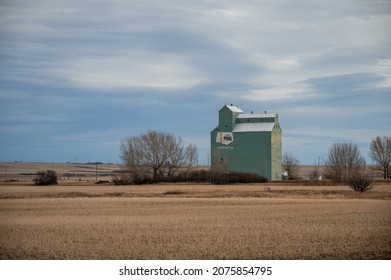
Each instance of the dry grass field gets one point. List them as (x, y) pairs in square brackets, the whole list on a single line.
[(81, 220)]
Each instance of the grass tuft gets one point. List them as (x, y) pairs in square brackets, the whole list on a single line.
[(173, 192)]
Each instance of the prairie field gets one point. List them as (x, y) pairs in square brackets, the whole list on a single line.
[(103, 226), (80, 220)]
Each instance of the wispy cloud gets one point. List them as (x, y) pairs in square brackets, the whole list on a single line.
[(69, 67), (128, 72)]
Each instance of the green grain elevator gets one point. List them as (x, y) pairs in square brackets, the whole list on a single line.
[(247, 142)]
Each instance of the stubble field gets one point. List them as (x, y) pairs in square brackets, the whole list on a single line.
[(192, 227), (81, 220)]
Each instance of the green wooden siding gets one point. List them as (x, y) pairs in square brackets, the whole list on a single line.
[(258, 152)]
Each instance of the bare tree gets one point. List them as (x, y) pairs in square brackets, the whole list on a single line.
[(361, 182), (344, 160), (156, 155), (180, 157), (134, 156), (315, 175), (220, 166), (290, 165), (380, 153)]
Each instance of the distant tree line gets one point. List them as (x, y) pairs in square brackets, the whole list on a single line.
[(345, 160), (345, 164)]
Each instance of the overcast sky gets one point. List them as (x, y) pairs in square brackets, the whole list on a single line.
[(78, 76)]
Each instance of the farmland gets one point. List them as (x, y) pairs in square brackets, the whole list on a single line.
[(81, 220)]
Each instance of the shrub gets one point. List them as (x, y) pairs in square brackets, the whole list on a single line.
[(142, 180), (195, 176), (361, 182), (173, 192), (48, 177), (128, 179), (234, 177), (121, 179)]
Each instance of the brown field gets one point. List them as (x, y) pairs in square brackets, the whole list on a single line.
[(82, 220)]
